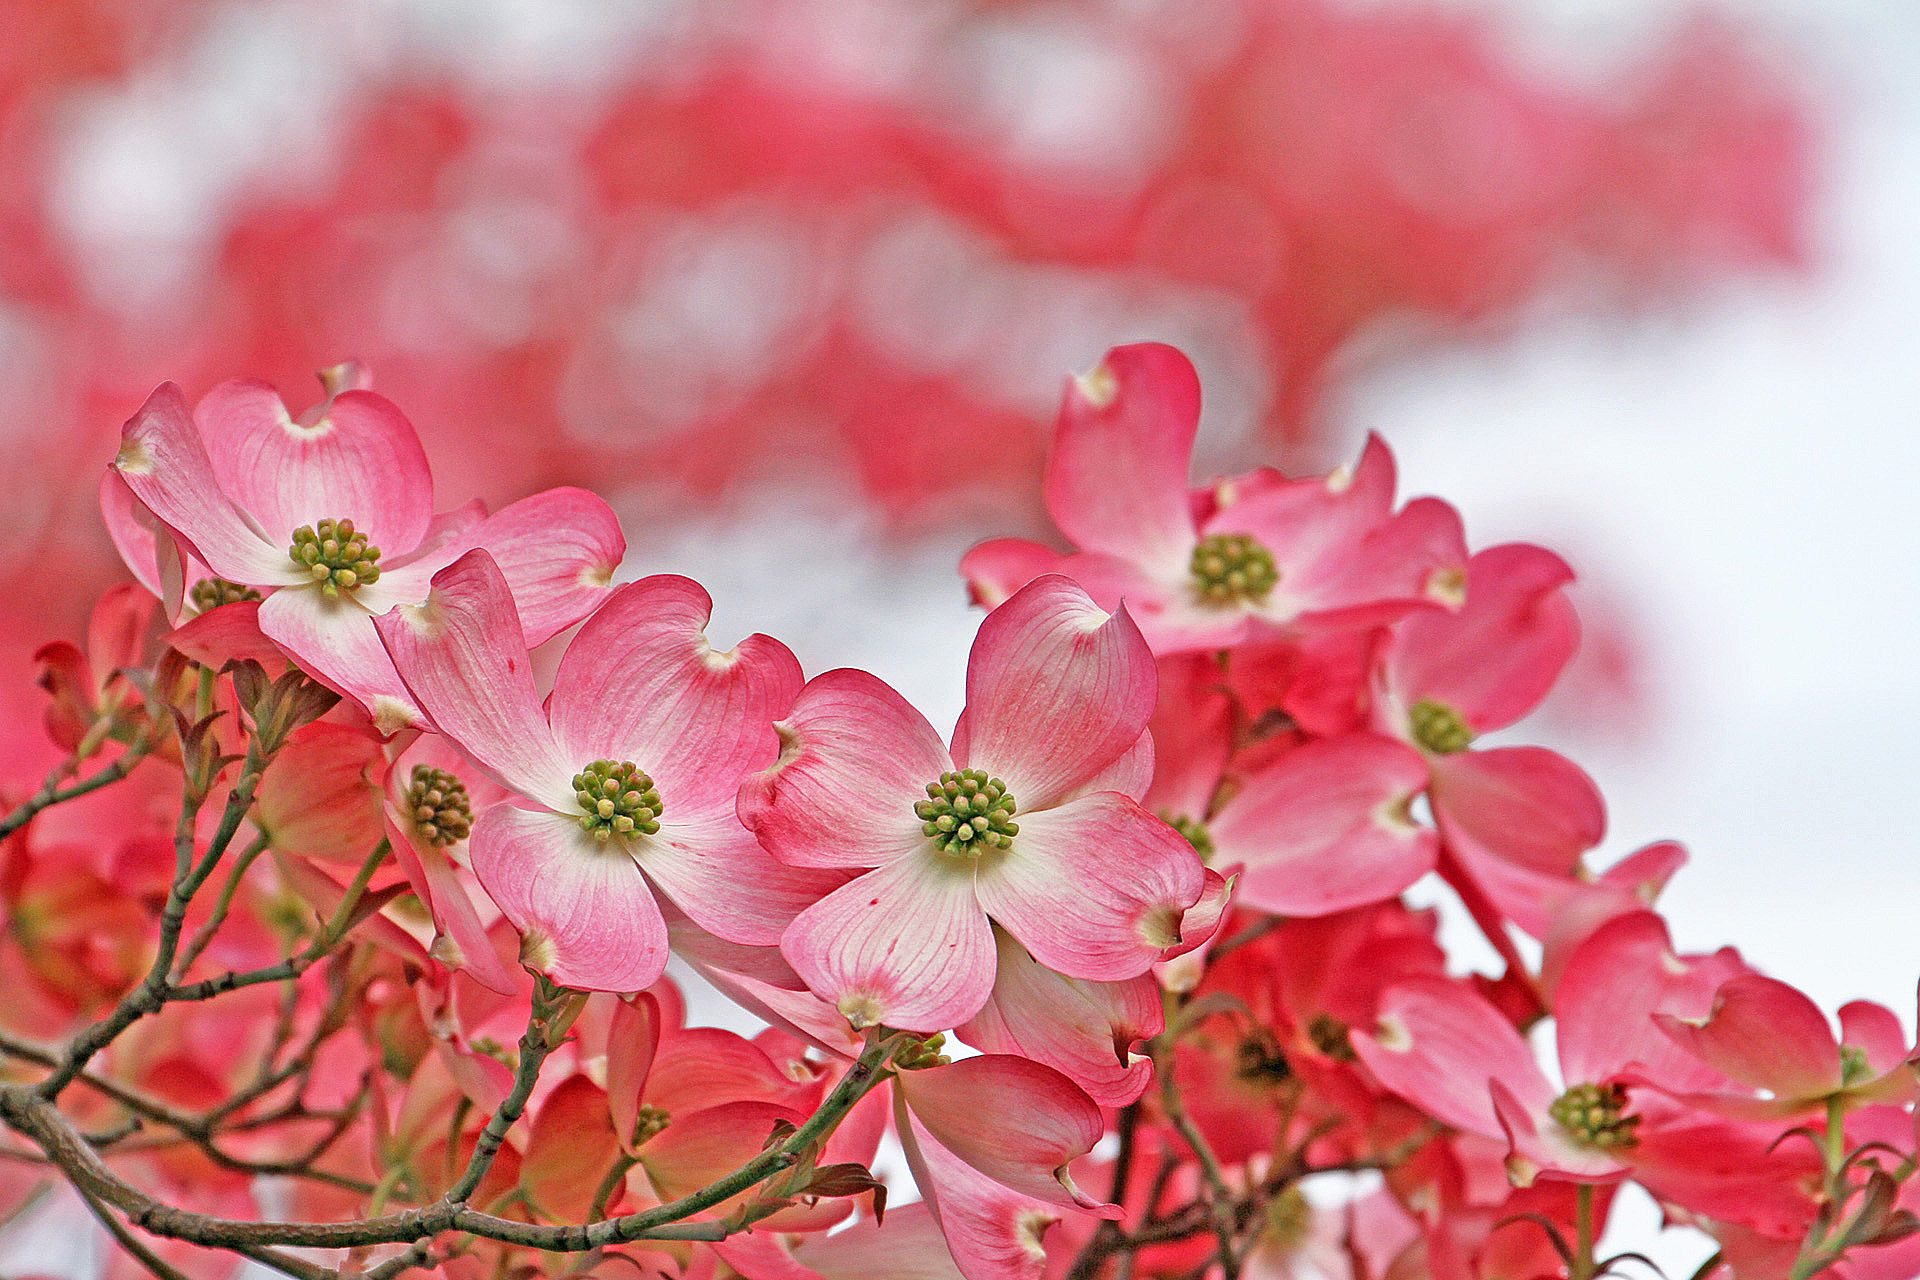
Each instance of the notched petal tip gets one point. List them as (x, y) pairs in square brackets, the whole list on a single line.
[(1098, 385)]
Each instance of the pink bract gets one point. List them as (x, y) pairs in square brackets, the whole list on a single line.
[(244, 485), (1059, 693), (643, 699)]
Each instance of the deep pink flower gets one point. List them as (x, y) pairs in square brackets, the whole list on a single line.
[(1212, 568), (624, 780), (330, 517), (1029, 820)]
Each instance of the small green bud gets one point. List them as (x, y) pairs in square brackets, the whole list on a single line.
[(438, 804), (617, 799), (335, 556), (1232, 568), (967, 812), (1591, 1115), (1438, 728)]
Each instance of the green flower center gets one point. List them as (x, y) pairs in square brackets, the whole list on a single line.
[(335, 555), (968, 812), (1854, 1066), (1438, 728), (211, 593), (1591, 1115), (1193, 830), (1329, 1036), (1232, 568), (649, 1122), (918, 1055), (437, 803), (617, 799)]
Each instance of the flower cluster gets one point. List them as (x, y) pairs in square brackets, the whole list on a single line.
[(362, 876)]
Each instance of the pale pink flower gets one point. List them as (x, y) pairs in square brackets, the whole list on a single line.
[(330, 518), (623, 782), (1029, 820), (1215, 567)]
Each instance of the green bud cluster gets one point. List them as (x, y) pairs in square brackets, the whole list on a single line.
[(1591, 1115), (1438, 728), (968, 812), (617, 799), (211, 593), (437, 803), (1193, 830), (918, 1055), (335, 555), (649, 1122), (1232, 568)]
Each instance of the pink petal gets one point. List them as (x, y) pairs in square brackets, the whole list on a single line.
[(906, 945), (995, 570), (359, 459), (585, 911), (1614, 983), (716, 872), (1539, 1145), (221, 635), (1057, 690), (993, 1232), (1117, 480), (640, 683), (632, 1038), (463, 657), (1437, 1044), (1192, 735), (701, 1147), (165, 464), (1524, 805), (1495, 658), (854, 760), (1766, 1035), (1095, 888), (131, 527), (336, 642), (1325, 827), (557, 550), (963, 1106), (1084, 1030), (460, 941), (322, 797), (1875, 1030)]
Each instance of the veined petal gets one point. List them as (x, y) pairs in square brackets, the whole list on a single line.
[(131, 527), (1095, 888), (1117, 480), (716, 872), (558, 550), (460, 940), (359, 459), (993, 1232), (335, 642), (906, 945), (963, 1106), (1438, 1045), (1057, 690), (1085, 1030), (165, 464), (640, 682), (463, 657), (854, 760), (1325, 827), (586, 914)]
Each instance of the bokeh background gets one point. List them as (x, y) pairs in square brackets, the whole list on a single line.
[(794, 283)]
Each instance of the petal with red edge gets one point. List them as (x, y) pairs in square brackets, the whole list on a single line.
[(1057, 690), (1766, 1035), (1095, 888), (1117, 479), (463, 657), (1325, 827), (165, 464), (359, 459), (963, 1106), (586, 913), (640, 682), (906, 945), (995, 570), (854, 760)]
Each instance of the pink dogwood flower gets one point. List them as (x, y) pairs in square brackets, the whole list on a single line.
[(1029, 820), (1215, 567), (330, 518), (623, 782)]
